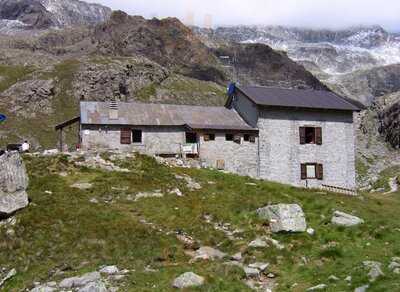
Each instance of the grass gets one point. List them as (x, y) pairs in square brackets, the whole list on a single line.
[(9, 75), (64, 231), (384, 176)]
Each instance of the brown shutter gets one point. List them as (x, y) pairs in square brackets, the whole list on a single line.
[(206, 137), (126, 136), (320, 172), (318, 135), (302, 131), (303, 171), (252, 139)]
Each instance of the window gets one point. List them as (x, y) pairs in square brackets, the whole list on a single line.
[(249, 138), (126, 136), (209, 137), (228, 137), (310, 135), (312, 171), (191, 138), (136, 136)]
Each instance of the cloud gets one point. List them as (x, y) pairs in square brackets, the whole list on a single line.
[(304, 13)]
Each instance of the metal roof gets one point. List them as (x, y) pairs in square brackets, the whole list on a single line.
[(300, 98), (148, 114)]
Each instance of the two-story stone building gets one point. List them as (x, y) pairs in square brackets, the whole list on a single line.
[(299, 137)]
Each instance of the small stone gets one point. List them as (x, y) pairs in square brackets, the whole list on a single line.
[(156, 194), (333, 278), (259, 266), (375, 270), (9, 275), (63, 174), (271, 275), (344, 219), (318, 287), (310, 231), (93, 200), (275, 243), (82, 186), (110, 270), (188, 279), (94, 287), (251, 272), (48, 192), (80, 281), (362, 288), (177, 192), (258, 242), (348, 279), (208, 253), (237, 257), (393, 265), (43, 288)]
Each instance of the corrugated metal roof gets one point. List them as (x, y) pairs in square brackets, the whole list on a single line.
[(300, 98), (146, 114)]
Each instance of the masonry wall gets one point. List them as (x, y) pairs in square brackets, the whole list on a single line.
[(155, 140), (239, 158), (281, 153)]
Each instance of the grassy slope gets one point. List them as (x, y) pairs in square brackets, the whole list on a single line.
[(65, 231)]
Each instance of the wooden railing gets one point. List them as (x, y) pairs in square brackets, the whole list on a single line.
[(339, 190)]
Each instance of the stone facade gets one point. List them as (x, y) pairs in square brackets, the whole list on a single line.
[(240, 157), (280, 151)]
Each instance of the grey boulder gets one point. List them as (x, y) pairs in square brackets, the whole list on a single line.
[(74, 282), (94, 287), (188, 279), (284, 217), (375, 270), (13, 183), (344, 219)]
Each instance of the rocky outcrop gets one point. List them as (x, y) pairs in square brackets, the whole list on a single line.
[(13, 184), (284, 217), (27, 98), (390, 124), (44, 14)]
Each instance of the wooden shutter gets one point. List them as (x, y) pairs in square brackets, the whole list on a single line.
[(126, 136), (303, 168), (206, 137), (302, 132), (320, 171), (252, 139), (318, 135)]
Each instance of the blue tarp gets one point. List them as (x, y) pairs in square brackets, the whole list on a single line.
[(2, 118)]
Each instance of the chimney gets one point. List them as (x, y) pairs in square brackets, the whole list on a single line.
[(113, 110)]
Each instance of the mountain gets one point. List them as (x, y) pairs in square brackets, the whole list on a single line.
[(22, 15)]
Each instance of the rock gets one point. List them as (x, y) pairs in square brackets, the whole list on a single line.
[(93, 200), (208, 253), (258, 242), (251, 272), (362, 288), (82, 185), (310, 231), (259, 266), (237, 257), (43, 288), (94, 287), (333, 278), (284, 217), (318, 287), (9, 275), (188, 279), (13, 183), (275, 243), (393, 265), (374, 268), (177, 192), (81, 281), (348, 279), (50, 152), (343, 219), (110, 270), (156, 194), (190, 183)]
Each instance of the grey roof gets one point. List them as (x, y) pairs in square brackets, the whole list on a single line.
[(147, 114), (300, 98)]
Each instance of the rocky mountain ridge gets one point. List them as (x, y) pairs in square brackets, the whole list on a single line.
[(18, 16)]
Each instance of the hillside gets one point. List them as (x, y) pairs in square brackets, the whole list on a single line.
[(82, 218)]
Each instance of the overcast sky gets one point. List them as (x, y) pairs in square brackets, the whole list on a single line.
[(306, 13)]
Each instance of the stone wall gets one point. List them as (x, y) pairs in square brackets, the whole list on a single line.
[(239, 158), (281, 153), (155, 140)]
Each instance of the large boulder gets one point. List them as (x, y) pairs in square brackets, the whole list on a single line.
[(284, 217), (13, 184), (344, 219), (188, 280)]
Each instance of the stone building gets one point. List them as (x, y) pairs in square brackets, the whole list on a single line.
[(299, 137)]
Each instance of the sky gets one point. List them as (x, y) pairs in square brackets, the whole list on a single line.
[(303, 13)]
